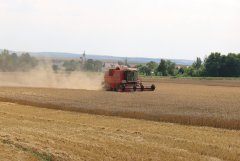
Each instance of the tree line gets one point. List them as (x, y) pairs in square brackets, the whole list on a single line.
[(13, 62), (79, 65), (164, 68), (214, 65), (10, 62)]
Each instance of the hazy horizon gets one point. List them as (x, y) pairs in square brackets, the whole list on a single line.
[(128, 28)]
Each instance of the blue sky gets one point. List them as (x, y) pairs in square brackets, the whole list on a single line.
[(181, 29)]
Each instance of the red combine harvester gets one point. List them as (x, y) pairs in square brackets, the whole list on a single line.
[(124, 79)]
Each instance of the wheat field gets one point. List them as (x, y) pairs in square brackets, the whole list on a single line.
[(192, 102), (51, 124)]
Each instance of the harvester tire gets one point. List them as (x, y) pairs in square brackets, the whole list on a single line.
[(153, 87), (122, 87), (134, 88)]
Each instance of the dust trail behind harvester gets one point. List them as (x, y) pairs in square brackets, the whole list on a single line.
[(46, 77)]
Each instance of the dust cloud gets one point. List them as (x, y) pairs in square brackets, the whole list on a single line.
[(46, 77)]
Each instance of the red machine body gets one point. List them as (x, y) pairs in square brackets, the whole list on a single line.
[(124, 79)]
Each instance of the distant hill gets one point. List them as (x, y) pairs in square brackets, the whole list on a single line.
[(103, 57), (107, 58)]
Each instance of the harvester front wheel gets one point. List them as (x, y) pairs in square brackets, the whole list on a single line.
[(122, 87), (134, 88), (153, 87)]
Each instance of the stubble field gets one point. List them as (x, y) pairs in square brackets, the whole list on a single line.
[(29, 133)]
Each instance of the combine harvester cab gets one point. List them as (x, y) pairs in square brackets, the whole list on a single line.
[(124, 79)]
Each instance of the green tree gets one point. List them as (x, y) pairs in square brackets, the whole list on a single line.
[(213, 64), (189, 71), (198, 63), (230, 65), (181, 70), (98, 66), (170, 67), (166, 67), (152, 66), (222, 65), (5, 60), (71, 65), (162, 68), (26, 62), (93, 65), (13, 62), (145, 70), (89, 65)]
